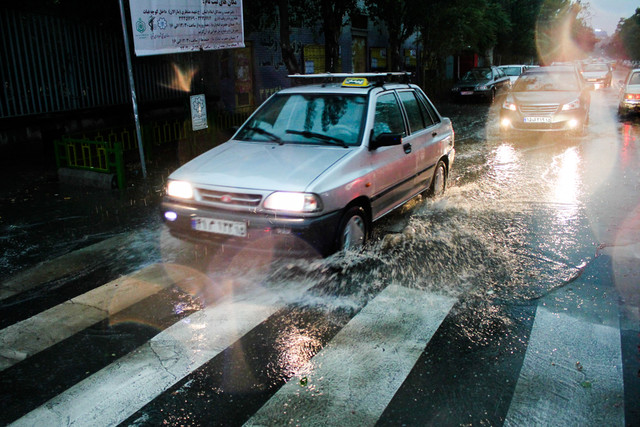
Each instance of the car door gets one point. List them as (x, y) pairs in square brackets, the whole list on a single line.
[(393, 168), (429, 138)]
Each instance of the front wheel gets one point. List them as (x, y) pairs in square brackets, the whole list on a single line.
[(354, 229), (439, 180)]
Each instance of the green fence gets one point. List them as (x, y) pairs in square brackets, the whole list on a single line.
[(107, 150)]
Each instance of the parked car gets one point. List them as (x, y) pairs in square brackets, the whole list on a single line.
[(598, 74), (313, 168), (630, 93), (514, 71), (483, 82), (553, 98)]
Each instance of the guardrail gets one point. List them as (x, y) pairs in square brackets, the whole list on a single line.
[(95, 156), (107, 150)]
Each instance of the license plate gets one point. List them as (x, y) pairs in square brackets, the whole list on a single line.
[(537, 119), (466, 92), (220, 226)]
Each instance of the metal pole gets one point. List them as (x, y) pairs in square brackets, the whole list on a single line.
[(132, 86)]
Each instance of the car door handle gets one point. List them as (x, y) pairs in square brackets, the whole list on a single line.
[(407, 148), (434, 134)]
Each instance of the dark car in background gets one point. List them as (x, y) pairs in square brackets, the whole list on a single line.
[(481, 82), (553, 98), (598, 74), (630, 93)]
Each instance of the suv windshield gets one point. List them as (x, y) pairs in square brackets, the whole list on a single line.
[(556, 81), (308, 119)]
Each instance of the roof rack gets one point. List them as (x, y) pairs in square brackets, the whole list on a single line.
[(377, 78)]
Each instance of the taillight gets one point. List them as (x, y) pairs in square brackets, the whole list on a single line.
[(632, 96)]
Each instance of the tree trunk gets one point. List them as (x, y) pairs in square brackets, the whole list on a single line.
[(288, 54)]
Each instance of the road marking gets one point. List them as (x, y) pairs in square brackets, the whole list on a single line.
[(358, 372), (30, 336), (571, 375), (122, 388)]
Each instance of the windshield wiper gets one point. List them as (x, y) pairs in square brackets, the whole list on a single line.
[(271, 136), (325, 138)]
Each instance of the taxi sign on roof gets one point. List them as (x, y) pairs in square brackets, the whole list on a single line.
[(355, 82)]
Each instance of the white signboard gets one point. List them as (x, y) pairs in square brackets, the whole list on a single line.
[(172, 26), (198, 112)]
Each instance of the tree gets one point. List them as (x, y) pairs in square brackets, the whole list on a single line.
[(628, 33), (332, 13)]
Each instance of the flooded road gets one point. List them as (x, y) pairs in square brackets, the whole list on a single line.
[(463, 309)]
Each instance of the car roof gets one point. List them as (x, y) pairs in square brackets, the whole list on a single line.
[(552, 68), (348, 83)]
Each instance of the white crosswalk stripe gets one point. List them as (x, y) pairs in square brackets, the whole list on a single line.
[(356, 375), (572, 374)]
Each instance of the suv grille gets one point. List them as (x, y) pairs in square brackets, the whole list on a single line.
[(229, 199), (539, 110)]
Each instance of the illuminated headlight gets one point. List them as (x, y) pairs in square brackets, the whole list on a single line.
[(573, 123), (509, 105), (505, 122), (573, 105), (180, 189), (293, 202)]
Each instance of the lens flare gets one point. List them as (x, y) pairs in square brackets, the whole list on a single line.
[(182, 79)]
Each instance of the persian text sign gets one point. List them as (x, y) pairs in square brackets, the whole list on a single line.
[(171, 26)]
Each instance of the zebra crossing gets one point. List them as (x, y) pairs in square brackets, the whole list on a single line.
[(260, 357)]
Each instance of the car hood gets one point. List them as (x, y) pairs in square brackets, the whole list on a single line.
[(260, 166), (466, 83), (545, 97)]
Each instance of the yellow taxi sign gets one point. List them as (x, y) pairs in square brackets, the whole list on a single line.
[(355, 82)]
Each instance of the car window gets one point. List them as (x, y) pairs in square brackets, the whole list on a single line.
[(414, 113), (635, 79), (291, 118), (388, 118), (500, 73), (425, 105)]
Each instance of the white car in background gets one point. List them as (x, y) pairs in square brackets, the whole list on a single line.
[(513, 71), (630, 93)]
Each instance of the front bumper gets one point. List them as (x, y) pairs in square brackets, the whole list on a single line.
[(282, 235), (560, 121)]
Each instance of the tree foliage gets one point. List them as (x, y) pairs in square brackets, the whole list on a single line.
[(625, 42)]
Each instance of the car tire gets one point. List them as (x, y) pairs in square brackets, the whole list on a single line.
[(493, 96), (353, 230), (439, 180)]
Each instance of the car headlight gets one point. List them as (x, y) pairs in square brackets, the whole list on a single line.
[(482, 87), (180, 189), (508, 104), (573, 105), (455, 89), (293, 202)]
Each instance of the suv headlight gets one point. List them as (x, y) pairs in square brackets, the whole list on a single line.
[(293, 202), (180, 189), (573, 105)]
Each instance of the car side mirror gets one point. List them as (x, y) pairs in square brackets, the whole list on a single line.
[(385, 140)]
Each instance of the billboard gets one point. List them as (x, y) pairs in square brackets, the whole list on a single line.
[(173, 26)]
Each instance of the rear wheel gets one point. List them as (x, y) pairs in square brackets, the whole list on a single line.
[(439, 181), (354, 229)]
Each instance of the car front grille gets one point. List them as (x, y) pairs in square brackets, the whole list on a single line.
[(223, 198), (539, 110)]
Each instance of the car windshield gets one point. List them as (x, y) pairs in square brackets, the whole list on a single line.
[(546, 81), (477, 74), (308, 119), (512, 71), (596, 67)]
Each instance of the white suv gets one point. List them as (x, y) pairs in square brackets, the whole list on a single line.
[(314, 167)]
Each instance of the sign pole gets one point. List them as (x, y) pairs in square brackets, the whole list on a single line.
[(132, 86)]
